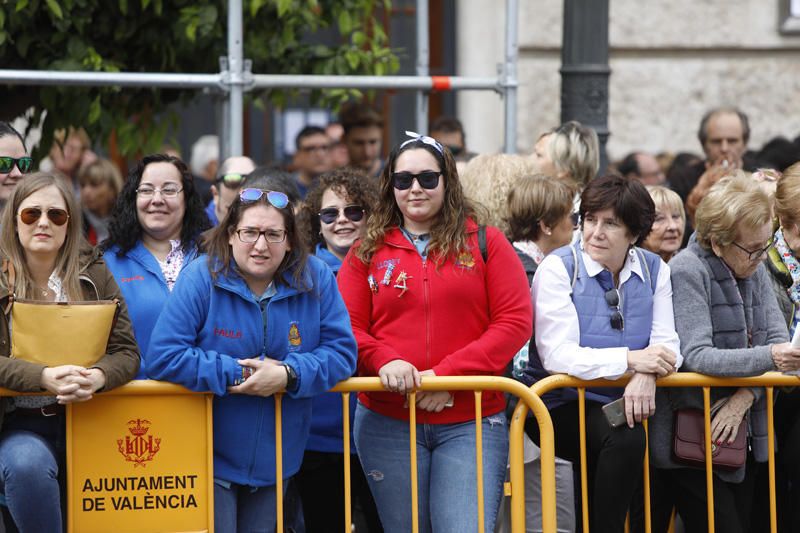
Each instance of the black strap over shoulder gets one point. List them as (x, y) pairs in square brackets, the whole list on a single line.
[(482, 242)]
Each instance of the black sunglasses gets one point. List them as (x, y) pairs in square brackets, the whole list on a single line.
[(24, 164), (354, 213), (428, 179), (612, 299)]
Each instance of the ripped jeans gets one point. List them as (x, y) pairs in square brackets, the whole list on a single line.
[(448, 499)]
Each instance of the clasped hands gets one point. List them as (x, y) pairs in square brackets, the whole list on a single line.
[(72, 383), (403, 377)]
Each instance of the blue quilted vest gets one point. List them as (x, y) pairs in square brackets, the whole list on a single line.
[(594, 319)]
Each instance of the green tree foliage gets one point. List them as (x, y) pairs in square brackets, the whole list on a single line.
[(172, 36)]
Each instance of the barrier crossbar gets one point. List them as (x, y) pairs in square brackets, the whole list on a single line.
[(770, 380)]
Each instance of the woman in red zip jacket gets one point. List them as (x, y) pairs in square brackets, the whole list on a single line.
[(423, 301)]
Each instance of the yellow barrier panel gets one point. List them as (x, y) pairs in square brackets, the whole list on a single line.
[(140, 459), (681, 379), (517, 483)]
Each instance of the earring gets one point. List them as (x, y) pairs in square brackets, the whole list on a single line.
[(548, 233)]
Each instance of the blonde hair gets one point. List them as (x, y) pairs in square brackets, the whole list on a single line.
[(574, 150), (68, 259), (101, 171), (535, 199), (787, 196), (734, 201), (487, 180), (665, 198)]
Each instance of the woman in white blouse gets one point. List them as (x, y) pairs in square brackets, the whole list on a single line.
[(603, 309)]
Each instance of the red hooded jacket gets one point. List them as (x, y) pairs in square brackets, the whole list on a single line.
[(458, 317)]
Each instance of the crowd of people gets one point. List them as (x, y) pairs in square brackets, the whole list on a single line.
[(245, 281)]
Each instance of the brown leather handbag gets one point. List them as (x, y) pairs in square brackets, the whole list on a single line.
[(689, 442)]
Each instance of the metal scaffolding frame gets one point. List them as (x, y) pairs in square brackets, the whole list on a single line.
[(235, 78)]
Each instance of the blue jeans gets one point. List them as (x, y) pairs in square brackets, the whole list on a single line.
[(31, 450), (243, 509), (448, 499)]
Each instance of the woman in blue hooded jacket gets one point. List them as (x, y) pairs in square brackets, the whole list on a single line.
[(153, 234), (254, 317)]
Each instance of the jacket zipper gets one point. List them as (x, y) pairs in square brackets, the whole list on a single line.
[(427, 314)]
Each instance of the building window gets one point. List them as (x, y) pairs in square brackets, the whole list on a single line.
[(790, 17)]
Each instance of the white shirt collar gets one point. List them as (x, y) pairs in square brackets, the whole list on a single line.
[(632, 265)]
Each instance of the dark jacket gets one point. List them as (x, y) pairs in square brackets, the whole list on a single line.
[(122, 356)]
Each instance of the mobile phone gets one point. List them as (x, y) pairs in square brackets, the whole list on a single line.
[(615, 413)]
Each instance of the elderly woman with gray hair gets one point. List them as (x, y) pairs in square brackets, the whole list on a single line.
[(730, 325)]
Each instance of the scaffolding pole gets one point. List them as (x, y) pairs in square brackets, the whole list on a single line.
[(510, 81), (233, 144), (423, 63)]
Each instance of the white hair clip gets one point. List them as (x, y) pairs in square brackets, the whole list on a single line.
[(430, 141)]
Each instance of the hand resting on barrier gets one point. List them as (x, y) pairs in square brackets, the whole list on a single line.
[(268, 378), (399, 376), (655, 359), (785, 357), (433, 401), (71, 383)]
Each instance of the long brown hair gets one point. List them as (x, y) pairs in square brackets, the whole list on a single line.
[(448, 232), (68, 265), (220, 255)]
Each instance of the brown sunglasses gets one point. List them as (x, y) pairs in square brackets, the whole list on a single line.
[(31, 215)]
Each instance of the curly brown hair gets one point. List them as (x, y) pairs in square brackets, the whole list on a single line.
[(349, 182), (448, 233)]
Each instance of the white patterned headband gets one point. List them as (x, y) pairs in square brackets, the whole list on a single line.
[(430, 141)]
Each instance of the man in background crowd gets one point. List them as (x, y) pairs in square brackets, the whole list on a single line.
[(363, 137), (311, 158)]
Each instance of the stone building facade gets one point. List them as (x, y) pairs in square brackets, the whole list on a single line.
[(670, 61)]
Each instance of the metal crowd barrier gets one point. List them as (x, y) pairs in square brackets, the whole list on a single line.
[(770, 380), (515, 488)]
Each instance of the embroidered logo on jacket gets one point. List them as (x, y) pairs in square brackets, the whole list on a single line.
[(132, 278), (295, 339), (228, 333), (465, 260)]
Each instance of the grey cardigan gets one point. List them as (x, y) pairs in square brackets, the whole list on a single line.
[(712, 319)]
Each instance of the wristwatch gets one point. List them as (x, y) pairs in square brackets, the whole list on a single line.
[(291, 378)]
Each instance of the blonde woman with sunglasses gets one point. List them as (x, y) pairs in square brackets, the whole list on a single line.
[(254, 317), (41, 243)]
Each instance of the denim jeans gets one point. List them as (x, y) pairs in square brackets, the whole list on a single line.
[(446, 471), (243, 509), (31, 459)]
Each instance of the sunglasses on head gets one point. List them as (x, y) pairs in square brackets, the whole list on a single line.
[(275, 198), (231, 181), (612, 299), (24, 164), (354, 213), (31, 215), (429, 179)]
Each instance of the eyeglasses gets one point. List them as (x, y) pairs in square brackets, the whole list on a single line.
[(24, 164), (250, 236), (169, 190), (276, 198), (755, 255), (429, 179), (576, 220), (31, 215), (354, 213), (612, 299), (231, 181)]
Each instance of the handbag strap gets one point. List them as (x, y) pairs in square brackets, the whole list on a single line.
[(11, 276)]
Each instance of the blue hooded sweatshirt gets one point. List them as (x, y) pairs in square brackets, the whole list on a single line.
[(208, 324), (326, 420), (144, 288)]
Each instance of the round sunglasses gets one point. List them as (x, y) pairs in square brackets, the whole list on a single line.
[(354, 213), (428, 179), (31, 215), (24, 164), (275, 198)]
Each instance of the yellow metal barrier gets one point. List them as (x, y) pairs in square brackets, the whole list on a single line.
[(681, 379)]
